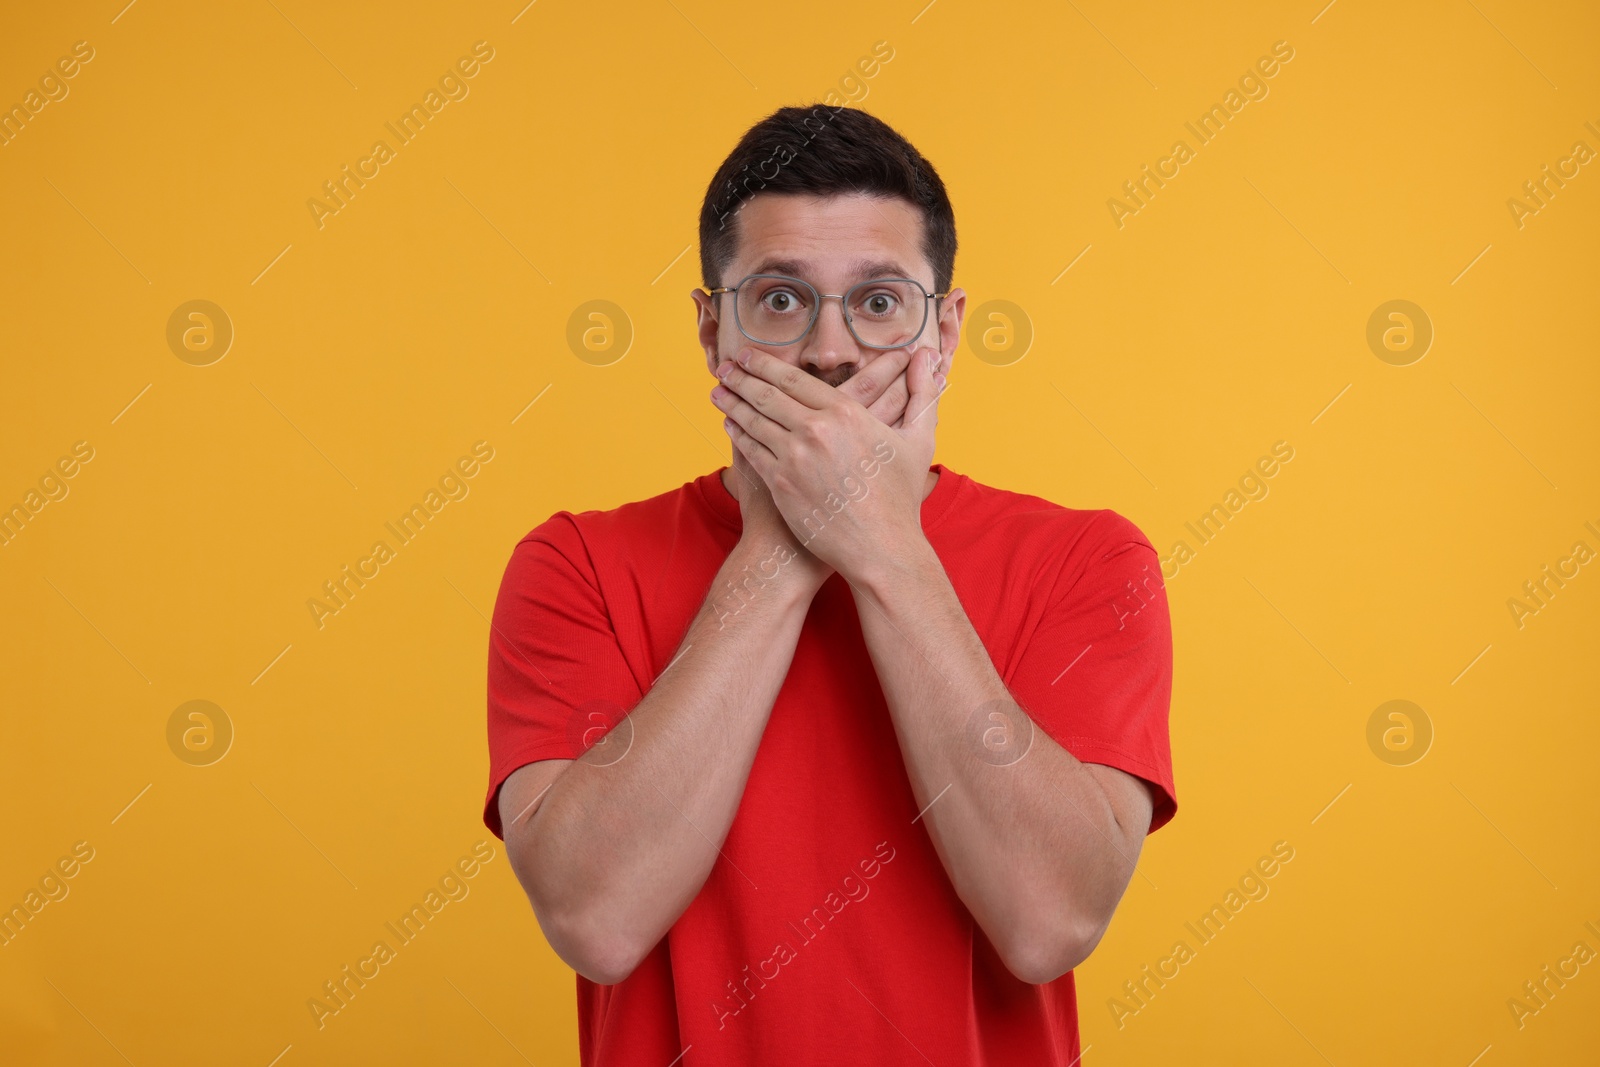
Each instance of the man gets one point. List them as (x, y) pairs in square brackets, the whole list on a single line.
[(829, 756)]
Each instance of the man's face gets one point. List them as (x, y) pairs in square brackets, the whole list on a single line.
[(832, 242)]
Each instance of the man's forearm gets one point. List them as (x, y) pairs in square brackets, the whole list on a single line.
[(1030, 839), (620, 846)]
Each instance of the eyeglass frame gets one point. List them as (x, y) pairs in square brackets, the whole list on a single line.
[(816, 308)]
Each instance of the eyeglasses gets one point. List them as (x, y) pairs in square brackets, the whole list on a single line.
[(775, 309)]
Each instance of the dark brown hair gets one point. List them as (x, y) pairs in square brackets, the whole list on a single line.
[(824, 151)]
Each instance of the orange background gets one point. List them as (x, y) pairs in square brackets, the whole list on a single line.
[(432, 311)]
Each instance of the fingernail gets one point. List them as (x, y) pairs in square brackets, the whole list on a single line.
[(724, 369), (744, 357)]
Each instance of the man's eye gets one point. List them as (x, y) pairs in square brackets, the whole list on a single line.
[(781, 300)]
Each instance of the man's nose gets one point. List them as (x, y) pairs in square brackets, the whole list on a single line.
[(830, 345)]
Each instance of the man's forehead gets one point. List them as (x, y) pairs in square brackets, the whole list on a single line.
[(864, 267), (848, 235)]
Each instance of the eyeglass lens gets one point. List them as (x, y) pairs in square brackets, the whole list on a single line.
[(882, 313)]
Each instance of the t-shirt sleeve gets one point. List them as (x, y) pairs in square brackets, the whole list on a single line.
[(558, 679), (1096, 675)]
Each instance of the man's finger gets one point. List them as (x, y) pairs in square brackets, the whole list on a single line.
[(922, 409), (752, 365), (879, 376), (756, 454), (749, 416), (778, 392), (890, 408)]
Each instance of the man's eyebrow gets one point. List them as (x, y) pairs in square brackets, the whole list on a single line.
[(860, 270)]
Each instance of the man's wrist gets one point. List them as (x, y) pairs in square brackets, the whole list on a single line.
[(908, 568), (768, 566)]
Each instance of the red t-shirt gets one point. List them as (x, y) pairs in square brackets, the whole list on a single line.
[(830, 932)]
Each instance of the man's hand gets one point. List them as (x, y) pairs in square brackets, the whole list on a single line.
[(882, 389), (848, 483), (764, 529)]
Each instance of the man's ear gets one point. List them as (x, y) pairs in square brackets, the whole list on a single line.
[(707, 326), (952, 312)]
